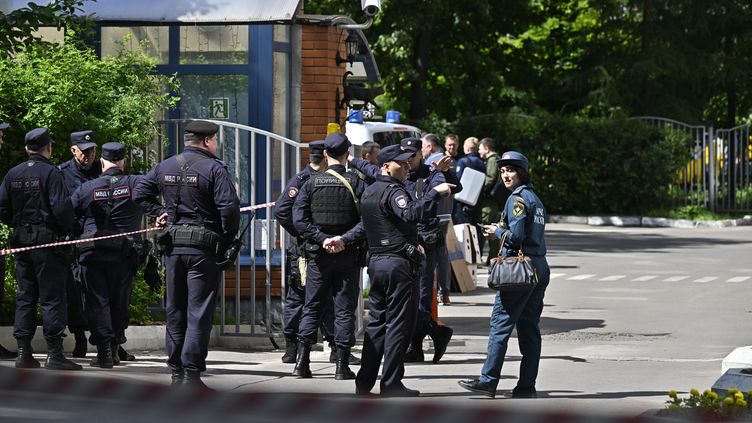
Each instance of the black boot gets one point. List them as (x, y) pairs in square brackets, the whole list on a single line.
[(5, 354), (104, 356), (25, 360), (193, 380), (115, 357), (79, 350), (441, 336), (55, 358), (124, 355), (303, 364), (414, 352), (333, 352), (343, 371), (178, 376), (291, 351)]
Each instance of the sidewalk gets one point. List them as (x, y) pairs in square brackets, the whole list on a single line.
[(567, 384)]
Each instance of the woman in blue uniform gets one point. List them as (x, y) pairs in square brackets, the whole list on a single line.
[(524, 225)]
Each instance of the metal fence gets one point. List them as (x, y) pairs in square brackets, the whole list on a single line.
[(261, 163), (717, 172)]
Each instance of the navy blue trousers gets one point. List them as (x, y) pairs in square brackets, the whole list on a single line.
[(294, 301), (192, 282), (337, 277), (392, 318), (77, 317), (109, 287), (40, 275)]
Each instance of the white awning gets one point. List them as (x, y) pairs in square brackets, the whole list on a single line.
[(188, 11)]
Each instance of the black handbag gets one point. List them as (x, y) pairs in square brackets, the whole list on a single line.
[(512, 273)]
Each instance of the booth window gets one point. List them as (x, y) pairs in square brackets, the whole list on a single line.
[(214, 44), (152, 40)]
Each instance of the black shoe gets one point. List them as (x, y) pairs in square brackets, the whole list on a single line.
[(104, 356), (81, 347), (303, 364), (5, 354), (291, 351), (520, 392), (25, 360), (475, 385), (178, 376), (362, 391), (414, 354), (355, 361), (124, 355), (343, 371), (441, 336), (55, 358), (398, 391), (193, 380), (115, 357)]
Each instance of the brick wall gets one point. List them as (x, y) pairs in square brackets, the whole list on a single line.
[(321, 76)]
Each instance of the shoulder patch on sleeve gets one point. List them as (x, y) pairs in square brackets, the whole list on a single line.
[(517, 208), (519, 199), (401, 201), (292, 192)]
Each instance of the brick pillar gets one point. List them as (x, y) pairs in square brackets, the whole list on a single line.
[(321, 77)]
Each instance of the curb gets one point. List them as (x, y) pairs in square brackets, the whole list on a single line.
[(649, 222)]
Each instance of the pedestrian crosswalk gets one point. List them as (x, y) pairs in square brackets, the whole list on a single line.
[(649, 278)]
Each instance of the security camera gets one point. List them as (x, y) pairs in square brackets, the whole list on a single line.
[(370, 7)]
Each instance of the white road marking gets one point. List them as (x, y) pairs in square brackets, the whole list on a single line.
[(738, 279), (580, 277), (675, 278), (556, 275), (706, 279), (614, 277), (644, 278)]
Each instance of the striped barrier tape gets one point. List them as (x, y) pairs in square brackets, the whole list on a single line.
[(7, 251)]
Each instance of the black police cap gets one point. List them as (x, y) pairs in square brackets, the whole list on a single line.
[(83, 139), (337, 144), (113, 151), (412, 143), (201, 128), (396, 153), (37, 138), (317, 148)]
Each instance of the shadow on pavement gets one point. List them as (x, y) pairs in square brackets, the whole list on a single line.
[(478, 326), (603, 242)]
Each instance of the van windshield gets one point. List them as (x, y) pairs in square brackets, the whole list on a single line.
[(392, 137)]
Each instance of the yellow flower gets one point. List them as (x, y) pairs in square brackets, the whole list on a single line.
[(741, 403), (732, 391), (672, 394), (713, 396), (728, 401), (694, 392), (706, 392), (738, 396)]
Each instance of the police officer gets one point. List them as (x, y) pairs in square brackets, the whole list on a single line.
[(202, 213), (35, 203), (421, 179), (327, 216), (295, 294), (392, 235), (79, 169), (108, 267), (4, 353)]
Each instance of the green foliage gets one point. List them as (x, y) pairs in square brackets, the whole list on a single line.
[(17, 28), (589, 166), (709, 406), (8, 303), (142, 299), (66, 88)]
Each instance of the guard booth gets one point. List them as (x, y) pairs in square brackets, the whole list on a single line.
[(272, 77)]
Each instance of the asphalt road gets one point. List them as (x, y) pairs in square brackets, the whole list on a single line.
[(630, 314)]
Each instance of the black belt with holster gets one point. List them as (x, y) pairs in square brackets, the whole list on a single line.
[(27, 235), (189, 236)]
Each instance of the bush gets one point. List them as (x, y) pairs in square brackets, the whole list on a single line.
[(590, 166), (709, 405)]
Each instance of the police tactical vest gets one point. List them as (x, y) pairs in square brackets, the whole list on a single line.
[(386, 234), (333, 208)]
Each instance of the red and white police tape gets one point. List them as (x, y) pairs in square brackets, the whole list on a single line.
[(7, 251)]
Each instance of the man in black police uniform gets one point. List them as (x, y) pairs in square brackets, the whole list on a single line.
[(108, 267), (4, 353), (36, 204), (202, 213), (391, 230), (295, 294), (79, 169), (327, 215)]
